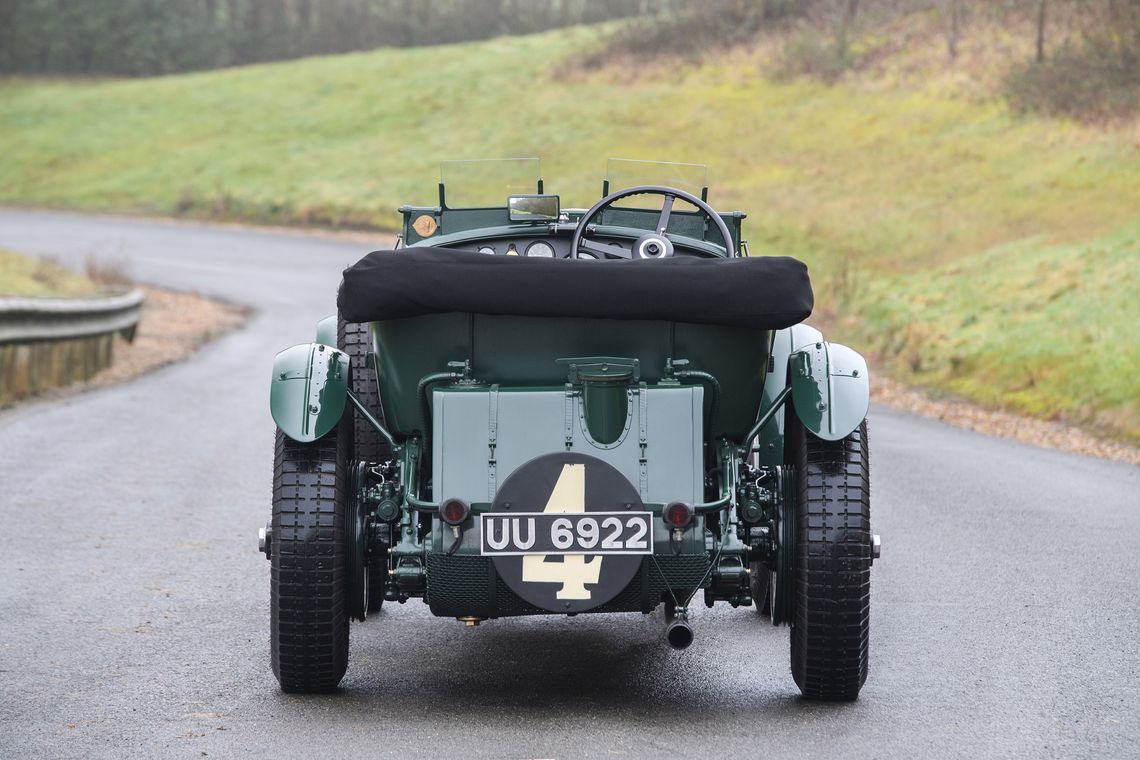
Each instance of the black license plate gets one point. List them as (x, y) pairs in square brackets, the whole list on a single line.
[(522, 533)]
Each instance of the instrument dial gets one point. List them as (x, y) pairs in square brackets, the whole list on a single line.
[(486, 249), (540, 250)]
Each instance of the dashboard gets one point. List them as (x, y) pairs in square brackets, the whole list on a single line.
[(546, 247), (554, 245)]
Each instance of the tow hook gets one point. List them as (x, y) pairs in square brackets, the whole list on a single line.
[(876, 547), (265, 540)]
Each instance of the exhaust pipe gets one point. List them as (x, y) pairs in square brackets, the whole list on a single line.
[(677, 630)]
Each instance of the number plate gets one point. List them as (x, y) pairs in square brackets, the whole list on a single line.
[(521, 533)]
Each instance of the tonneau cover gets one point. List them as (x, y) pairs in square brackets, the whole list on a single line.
[(768, 292)]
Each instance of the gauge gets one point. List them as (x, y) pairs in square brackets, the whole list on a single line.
[(486, 249), (540, 250), (584, 255)]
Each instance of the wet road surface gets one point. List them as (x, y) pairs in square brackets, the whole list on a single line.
[(134, 607)]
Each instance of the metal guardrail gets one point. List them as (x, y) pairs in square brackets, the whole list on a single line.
[(24, 320)]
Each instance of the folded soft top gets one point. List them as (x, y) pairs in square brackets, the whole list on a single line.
[(768, 292)]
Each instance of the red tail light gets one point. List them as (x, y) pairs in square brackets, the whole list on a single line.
[(677, 515), (454, 511)]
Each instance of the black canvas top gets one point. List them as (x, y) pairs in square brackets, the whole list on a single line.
[(768, 292)]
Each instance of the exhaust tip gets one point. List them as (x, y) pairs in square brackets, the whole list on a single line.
[(679, 635)]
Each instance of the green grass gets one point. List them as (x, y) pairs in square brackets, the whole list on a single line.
[(1048, 330), (892, 193), (39, 278)]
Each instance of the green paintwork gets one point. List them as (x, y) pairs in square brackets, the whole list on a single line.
[(524, 351), (770, 444), (607, 409), (308, 391), (605, 383), (830, 389), (475, 235), (327, 330)]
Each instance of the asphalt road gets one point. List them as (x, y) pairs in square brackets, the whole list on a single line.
[(134, 606)]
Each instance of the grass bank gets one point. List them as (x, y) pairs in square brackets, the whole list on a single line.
[(40, 278), (933, 220), (1039, 328)]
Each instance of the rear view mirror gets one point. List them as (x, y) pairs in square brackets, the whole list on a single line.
[(533, 208)]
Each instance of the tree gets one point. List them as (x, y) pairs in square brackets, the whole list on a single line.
[(953, 27)]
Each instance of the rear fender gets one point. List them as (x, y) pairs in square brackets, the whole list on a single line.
[(830, 388), (327, 330), (309, 389), (784, 342)]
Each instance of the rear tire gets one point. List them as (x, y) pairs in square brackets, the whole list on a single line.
[(353, 338), (367, 445), (831, 620), (761, 588), (308, 616)]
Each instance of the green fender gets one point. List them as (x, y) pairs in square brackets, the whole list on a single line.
[(784, 342), (830, 388), (309, 389), (327, 330)]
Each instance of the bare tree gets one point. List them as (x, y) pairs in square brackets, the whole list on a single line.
[(848, 23), (1123, 17), (1040, 30), (954, 26)]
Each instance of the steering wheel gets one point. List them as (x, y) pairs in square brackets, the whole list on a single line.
[(652, 245)]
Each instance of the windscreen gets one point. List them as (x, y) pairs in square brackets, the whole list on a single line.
[(623, 172), (488, 182)]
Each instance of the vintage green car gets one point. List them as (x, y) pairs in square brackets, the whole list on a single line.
[(531, 410)]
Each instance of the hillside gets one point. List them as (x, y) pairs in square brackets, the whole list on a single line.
[(976, 250)]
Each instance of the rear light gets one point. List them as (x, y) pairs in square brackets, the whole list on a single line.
[(677, 514), (454, 511)]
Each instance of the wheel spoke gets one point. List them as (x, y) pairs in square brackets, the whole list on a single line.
[(666, 210), (604, 249)]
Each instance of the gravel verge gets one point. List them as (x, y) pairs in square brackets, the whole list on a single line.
[(173, 326), (964, 414)]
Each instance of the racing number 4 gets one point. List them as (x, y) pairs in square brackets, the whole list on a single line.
[(572, 571)]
